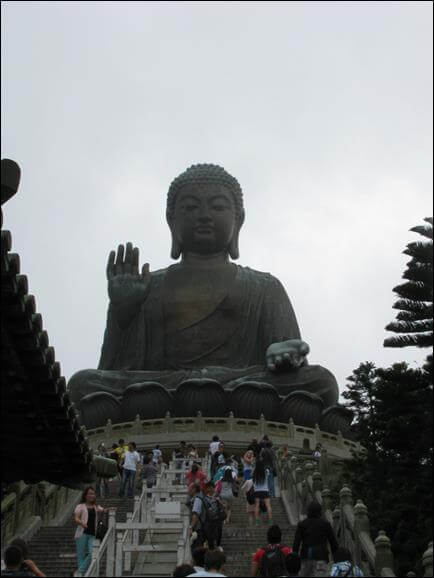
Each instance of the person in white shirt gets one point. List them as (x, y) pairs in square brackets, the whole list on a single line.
[(214, 561), (156, 455), (131, 461), (213, 449)]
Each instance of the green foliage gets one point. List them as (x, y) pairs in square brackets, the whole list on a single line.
[(393, 421), (415, 319)]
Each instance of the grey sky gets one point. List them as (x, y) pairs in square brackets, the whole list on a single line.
[(322, 111)]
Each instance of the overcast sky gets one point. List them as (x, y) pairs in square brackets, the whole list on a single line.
[(322, 111)]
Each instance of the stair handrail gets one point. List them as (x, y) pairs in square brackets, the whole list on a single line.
[(113, 539), (107, 546), (118, 560)]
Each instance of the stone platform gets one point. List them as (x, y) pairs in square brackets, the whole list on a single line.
[(237, 434)]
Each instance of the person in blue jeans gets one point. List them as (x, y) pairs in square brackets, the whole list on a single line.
[(86, 518), (131, 461)]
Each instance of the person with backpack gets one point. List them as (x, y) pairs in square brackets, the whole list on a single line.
[(270, 560), (312, 535), (261, 491), (208, 515), (344, 565)]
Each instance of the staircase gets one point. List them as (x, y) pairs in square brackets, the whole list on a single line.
[(240, 541), (53, 548)]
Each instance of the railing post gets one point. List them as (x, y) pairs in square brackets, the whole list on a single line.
[(383, 555), (136, 519), (336, 521), (347, 516), (231, 421), (262, 425), (144, 503), (316, 482), (119, 555), (180, 553), (111, 543), (326, 496), (427, 561), (108, 431), (317, 434), (168, 422), (346, 502), (361, 524), (361, 520), (291, 428), (326, 499), (137, 426), (127, 559), (308, 468)]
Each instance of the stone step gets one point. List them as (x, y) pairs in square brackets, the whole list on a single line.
[(241, 540), (53, 548)]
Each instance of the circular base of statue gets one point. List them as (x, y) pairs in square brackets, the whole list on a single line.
[(200, 395), (303, 407), (337, 418), (253, 398), (96, 408), (149, 400)]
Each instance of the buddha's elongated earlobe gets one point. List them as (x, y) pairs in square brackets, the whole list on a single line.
[(234, 252), (176, 249)]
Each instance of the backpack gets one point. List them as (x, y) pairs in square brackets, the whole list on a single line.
[(214, 511), (273, 562), (347, 571)]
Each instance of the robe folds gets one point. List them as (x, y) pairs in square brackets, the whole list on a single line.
[(234, 330)]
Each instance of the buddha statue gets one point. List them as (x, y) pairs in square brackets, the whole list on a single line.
[(204, 334)]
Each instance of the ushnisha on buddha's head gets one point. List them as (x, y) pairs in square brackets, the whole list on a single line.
[(205, 212)]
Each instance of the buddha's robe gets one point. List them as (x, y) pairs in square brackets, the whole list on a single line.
[(194, 324), (211, 324)]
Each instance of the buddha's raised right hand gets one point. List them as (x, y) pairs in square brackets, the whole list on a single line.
[(127, 288)]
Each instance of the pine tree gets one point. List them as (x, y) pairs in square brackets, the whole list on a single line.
[(360, 394), (414, 322)]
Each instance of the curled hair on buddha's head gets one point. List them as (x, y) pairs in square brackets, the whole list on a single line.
[(206, 173)]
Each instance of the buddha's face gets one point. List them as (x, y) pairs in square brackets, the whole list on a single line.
[(204, 219)]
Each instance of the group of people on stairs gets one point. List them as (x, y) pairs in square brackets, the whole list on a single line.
[(211, 498)]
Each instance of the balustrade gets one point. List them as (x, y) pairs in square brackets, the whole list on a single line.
[(156, 509), (302, 481)]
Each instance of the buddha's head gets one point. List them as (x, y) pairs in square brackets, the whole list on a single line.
[(205, 212)]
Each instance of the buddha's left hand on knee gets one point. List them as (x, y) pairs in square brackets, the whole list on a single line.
[(286, 354)]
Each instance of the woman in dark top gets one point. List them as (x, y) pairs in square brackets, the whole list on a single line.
[(85, 516), (312, 535)]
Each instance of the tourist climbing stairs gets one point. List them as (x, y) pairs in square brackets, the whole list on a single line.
[(240, 541)]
